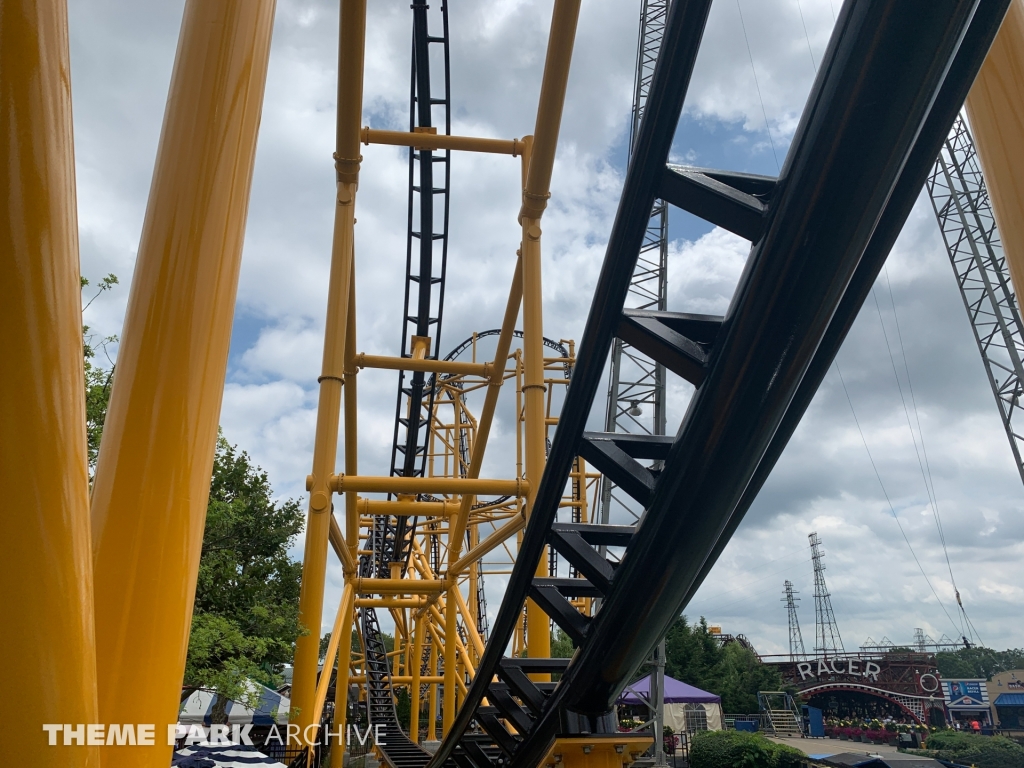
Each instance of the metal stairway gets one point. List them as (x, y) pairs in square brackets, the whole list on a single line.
[(784, 720)]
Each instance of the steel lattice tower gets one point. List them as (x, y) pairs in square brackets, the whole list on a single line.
[(796, 639), (962, 207), (636, 386), (826, 632), (635, 381)]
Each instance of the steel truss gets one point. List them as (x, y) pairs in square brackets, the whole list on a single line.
[(820, 235), (636, 383), (964, 212)]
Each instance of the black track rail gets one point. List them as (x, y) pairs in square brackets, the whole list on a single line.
[(890, 84), (426, 266)]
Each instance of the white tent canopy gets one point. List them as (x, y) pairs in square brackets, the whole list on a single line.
[(273, 708)]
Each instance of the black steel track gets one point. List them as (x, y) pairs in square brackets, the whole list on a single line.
[(891, 81), (426, 265)]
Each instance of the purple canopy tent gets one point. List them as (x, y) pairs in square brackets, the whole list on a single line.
[(687, 708), (676, 692)]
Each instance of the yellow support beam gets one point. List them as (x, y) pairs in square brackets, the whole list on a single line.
[(391, 603), (596, 751), (492, 542), (397, 586), (995, 108), (341, 623), (153, 475), (46, 577), (342, 682), (535, 197), (433, 141), (433, 485), (407, 508), (363, 360), (339, 293), (417, 680)]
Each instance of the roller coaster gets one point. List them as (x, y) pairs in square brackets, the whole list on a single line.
[(419, 541)]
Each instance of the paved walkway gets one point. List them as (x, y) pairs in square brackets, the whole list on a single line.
[(835, 746)]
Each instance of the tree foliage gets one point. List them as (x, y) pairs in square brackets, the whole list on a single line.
[(693, 655), (98, 379), (978, 662), (245, 620), (974, 749)]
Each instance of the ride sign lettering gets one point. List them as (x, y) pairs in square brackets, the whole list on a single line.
[(827, 667)]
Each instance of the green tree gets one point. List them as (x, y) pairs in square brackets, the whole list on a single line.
[(978, 662), (98, 379), (693, 655), (245, 621), (562, 646)]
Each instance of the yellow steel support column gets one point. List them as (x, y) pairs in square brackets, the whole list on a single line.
[(535, 197), (46, 575), (432, 691), (341, 688), (995, 107), (314, 569), (153, 476), (451, 672), (351, 431), (417, 656)]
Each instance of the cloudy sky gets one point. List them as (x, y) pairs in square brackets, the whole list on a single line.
[(122, 54)]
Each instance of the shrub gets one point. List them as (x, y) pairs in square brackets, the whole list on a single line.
[(733, 749), (976, 750)]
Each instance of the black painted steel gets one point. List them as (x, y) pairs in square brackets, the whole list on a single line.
[(951, 97), (827, 209), (684, 29), (846, 157)]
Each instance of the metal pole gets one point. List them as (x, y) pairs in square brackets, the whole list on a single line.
[(46, 575), (658, 701), (153, 475), (347, 160), (535, 197)]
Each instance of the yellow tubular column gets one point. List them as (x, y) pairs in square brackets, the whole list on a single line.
[(535, 197), (416, 661), (432, 691), (341, 688), (351, 433), (153, 476), (46, 575), (451, 672), (314, 569), (995, 107)]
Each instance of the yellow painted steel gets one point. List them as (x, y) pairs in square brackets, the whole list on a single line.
[(341, 684), (46, 576), (417, 680), (451, 673), (515, 298), (535, 197), (995, 108), (613, 751), (492, 542), (433, 141), (416, 485), (407, 508), (153, 475), (352, 39), (386, 363), (398, 586), (341, 622)]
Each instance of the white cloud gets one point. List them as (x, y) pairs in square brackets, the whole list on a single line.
[(121, 61)]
